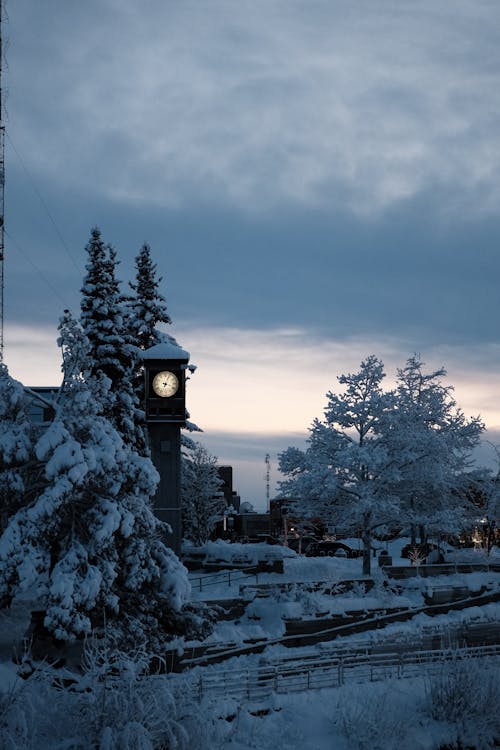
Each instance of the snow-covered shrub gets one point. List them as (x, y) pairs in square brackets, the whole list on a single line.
[(373, 722), (466, 696), (121, 706), (224, 722), (114, 705), (17, 717), (312, 602)]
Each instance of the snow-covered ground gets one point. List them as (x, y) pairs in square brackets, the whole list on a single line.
[(394, 713), (391, 713), (266, 616)]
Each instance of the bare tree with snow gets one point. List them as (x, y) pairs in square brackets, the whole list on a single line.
[(202, 502), (347, 459), (380, 456)]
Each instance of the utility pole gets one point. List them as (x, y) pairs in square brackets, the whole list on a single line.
[(268, 480), (2, 188)]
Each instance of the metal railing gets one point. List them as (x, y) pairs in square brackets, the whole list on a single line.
[(227, 576), (328, 671)]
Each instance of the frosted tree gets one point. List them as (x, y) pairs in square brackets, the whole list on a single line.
[(437, 441), (112, 352), (379, 457), (18, 470), (347, 470), (202, 502), (89, 545)]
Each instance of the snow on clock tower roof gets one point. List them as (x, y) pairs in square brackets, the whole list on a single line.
[(166, 350)]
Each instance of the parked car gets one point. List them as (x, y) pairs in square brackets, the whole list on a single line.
[(331, 549)]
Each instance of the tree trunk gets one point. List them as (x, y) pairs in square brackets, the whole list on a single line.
[(367, 543), (413, 535), (423, 534)]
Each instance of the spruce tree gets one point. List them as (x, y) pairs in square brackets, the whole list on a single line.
[(147, 308), (89, 545), (112, 352), (17, 466)]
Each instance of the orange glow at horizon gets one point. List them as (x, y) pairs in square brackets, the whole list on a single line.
[(272, 382)]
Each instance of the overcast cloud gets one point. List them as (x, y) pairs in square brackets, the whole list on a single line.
[(325, 168), (355, 105)]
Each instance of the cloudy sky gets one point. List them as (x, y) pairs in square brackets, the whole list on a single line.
[(319, 180)]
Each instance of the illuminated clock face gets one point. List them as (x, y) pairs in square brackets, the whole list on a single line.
[(165, 384)]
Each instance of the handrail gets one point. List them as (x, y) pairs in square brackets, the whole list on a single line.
[(230, 576)]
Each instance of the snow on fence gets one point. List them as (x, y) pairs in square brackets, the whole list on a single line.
[(327, 671), (230, 577), (425, 571)]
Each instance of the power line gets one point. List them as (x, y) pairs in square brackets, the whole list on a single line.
[(43, 203), (38, 270), (268, 480)]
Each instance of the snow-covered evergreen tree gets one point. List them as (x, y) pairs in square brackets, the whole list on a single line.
[(144, 311), (112, 351), (147, 308), (202, 502), (17, 466), (89, 545)]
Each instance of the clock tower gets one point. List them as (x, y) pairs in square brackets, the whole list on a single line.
[(165, 368)]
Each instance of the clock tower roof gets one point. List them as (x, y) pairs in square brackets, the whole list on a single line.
[(166, 350)]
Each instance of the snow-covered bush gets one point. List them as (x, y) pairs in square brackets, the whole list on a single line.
[(466, 696), (114, 705), (376, 723)]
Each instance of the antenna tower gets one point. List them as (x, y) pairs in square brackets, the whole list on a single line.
[(2, 187), (268, 479)]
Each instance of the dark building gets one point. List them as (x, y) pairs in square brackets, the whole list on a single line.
[(41, 398), (279, 510), (253, 526), (230, 495)]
